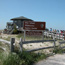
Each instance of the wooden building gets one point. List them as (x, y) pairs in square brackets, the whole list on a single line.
[(18, 21)]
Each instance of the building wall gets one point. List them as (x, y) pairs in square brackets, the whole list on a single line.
[(9, 27), (19, 23)]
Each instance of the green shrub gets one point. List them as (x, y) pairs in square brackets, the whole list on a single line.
[(12, 59), (1, 50), (58, 50), (1, 57), (24, 58), (15, 30), (31, 57)]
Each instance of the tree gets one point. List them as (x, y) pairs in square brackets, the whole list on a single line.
[(15, 29)]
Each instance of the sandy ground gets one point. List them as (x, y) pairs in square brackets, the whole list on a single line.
[(53, 60), (41, 45), (32, 45)]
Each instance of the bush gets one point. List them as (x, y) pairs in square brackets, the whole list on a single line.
[(58, 50), (24, 58), (1, 50), (12, 59), (30, 58), (15, 30)]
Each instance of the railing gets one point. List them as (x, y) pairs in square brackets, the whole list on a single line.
[(11, 43), (37, 41), (56, 35), (63, 42)]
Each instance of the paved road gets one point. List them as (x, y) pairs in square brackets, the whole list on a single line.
[(58, 59)]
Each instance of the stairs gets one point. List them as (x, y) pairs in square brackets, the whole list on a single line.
[(8, 31), (11, 31)]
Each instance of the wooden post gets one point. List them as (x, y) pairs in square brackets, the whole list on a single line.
[(54, 41), (42, 35), (12, 44), (46, 34), (59, 45), (59, 36), (24, 34), (56, 35), (53, 36), (21, 45), (64, 35)]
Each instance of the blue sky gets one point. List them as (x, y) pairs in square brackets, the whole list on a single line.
[(50, 11)]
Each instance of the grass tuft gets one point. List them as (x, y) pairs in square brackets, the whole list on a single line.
[(25, 58), (57, 50)]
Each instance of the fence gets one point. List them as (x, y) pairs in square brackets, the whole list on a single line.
[(63, 42), (56, 35), (12, 42), (29, 42)]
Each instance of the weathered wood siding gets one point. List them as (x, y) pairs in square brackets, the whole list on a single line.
[(9, 27), (19, 23)]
